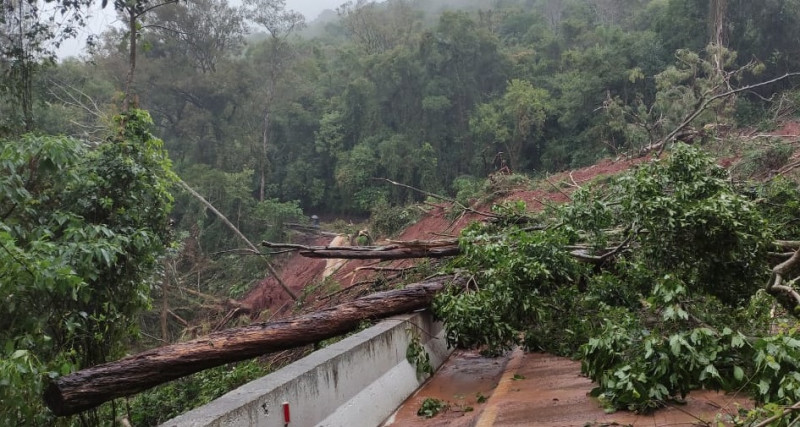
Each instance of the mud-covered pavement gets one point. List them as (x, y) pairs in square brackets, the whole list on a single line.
[(535, 389)]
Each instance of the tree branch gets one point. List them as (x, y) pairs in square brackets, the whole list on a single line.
[(703, 105), (238, 233), (440, 197)]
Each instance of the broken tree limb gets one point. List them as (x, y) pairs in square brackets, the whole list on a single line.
[(297, 247), (388, 252), (90, 387), (440, 197), (399, 253), (420, 249), (236, 231), (584, 255), (779, 288), (701, 106), (425, 243)]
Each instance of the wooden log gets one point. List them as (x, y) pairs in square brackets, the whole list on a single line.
[(388, 254), (88, 388), (396, 250)]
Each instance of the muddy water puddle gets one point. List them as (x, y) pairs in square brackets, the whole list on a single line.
[(465, 382)]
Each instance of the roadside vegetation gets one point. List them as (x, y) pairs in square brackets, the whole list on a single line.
[(134, 179)]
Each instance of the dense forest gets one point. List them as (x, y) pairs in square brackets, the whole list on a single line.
[(273, 118)]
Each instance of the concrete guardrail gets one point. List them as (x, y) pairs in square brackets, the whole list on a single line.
[(358, 381)]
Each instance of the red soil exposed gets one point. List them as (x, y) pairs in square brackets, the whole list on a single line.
[(790, 128), (560, 185), (554, 393), (298, 272)]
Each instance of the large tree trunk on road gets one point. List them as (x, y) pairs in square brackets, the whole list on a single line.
[(90, 387)]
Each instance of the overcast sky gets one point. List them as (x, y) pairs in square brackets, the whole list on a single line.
[(102, 18)]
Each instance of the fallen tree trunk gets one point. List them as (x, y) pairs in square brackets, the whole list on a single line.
[(90, 387), (400, 253), (421, 249), (388, 252)]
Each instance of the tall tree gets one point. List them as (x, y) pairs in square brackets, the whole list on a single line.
[(378, 28), (279, 24), (29, 33), (203, 31), (515, 121), (132, 11)]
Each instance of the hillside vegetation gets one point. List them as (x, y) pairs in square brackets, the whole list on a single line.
[(677, 275)]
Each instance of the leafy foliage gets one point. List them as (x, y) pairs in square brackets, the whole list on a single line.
[(515, 273), (417, 355), (669, 304), (431, 407), (388, 220), (167, 401), (81, 232)]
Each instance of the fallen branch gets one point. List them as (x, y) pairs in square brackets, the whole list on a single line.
[(236, 231), (776, 417), (91, 387), (387, 252), (702, 106), (425, 243), (582, 254), (297, 247), (547, 179), (776, 286), (437, 196), (786, 169), (377, 268), (787, 244), (180, 319)]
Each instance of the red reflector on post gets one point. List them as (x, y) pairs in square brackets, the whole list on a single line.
[(286, 418)]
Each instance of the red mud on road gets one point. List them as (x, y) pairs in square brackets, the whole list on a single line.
[(465, 381), (537, 389)]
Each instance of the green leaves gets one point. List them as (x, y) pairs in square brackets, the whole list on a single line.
[(660, 317), (80, 234), (431, 407), (515, 120), (516, 272)]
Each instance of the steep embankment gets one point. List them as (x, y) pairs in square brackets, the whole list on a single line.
[(355, 276), (438, 222)]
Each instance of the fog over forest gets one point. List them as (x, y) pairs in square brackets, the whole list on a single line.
[(138, 177)]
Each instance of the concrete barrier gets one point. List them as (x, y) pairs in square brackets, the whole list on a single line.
[(358, 381)]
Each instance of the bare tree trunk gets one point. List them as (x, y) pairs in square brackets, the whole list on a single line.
[(718, 10), (264, 154), (394, 251), (164, 307), (25, 67), (90, 387), (126, 102), (236, 231)]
